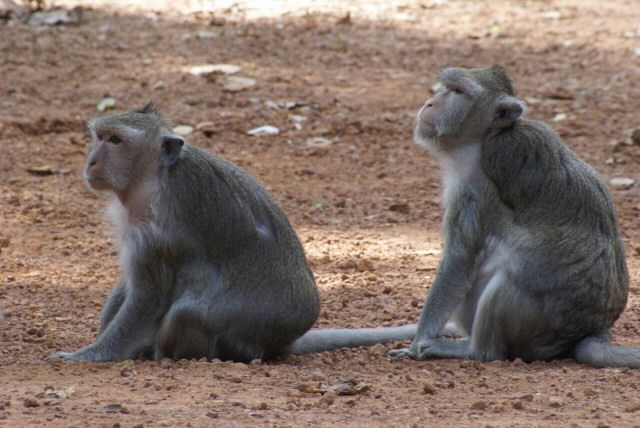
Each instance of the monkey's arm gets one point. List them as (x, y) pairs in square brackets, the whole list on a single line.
[(130, 333), (462, 235), (112, 306)]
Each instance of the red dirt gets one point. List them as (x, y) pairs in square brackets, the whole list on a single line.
[(367, 207)]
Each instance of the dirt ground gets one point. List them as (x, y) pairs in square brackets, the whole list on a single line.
[(367, 206)]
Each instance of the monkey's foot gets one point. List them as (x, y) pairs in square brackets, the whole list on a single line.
[(80, 355), (69, 356), (434, 348), (401, 353)]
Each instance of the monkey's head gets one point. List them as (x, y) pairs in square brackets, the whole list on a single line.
[(129, 148), (470, 103)]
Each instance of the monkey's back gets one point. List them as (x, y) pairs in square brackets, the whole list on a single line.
[(245, 235), (571, 248)]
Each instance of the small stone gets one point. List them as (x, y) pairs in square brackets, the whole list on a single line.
[(633, 407), (328, 398), (622, 183), (113, 408), (635, 136), (198, 70), (183, 129), (317, 142), (237, 83), (479, 405), (31, 402), (260, 406), (559, 117), (401, 208), (127, 371), (555, 402), (517, 404), (264, 130), (364, 266), (106, 104), (427, 388)]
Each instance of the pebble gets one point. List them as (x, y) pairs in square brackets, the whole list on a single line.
[(622, 183), (237, 83), (266, 129), (31, 402), (479, 405), (427, 388), (517, 404)]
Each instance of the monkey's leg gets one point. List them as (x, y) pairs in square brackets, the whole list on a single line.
[(130, 333), (451, 328), (112, 306), (195, 330), (185, 332)]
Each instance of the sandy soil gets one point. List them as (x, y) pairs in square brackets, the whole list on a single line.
[(367, 207)]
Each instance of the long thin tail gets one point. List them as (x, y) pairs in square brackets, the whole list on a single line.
[(317, 340), (598, 352)]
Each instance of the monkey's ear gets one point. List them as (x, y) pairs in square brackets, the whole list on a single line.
[(171, 148), (508, 110)]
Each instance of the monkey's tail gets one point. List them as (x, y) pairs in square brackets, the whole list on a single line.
[(599, 352), (324, 339)]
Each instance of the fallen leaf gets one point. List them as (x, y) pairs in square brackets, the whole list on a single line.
[(350, 387), (310, 389), (160, 84), (59, 393), (42, 170)]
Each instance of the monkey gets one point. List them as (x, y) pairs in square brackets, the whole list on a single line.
[(210, 265), (533, 265)]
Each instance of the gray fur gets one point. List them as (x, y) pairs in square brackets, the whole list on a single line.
[(534, 266), (210, 265)]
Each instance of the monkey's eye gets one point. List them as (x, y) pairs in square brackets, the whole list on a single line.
[(457, 90), (114, 139)]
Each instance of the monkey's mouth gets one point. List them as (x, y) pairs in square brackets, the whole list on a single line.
[(96, 183)]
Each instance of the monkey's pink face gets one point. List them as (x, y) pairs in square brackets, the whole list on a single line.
[(107, 166), (432, 115), (94, 171)]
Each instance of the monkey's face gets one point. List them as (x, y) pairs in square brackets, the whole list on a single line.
[(470, 103), (442, 115), (113, 157)]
